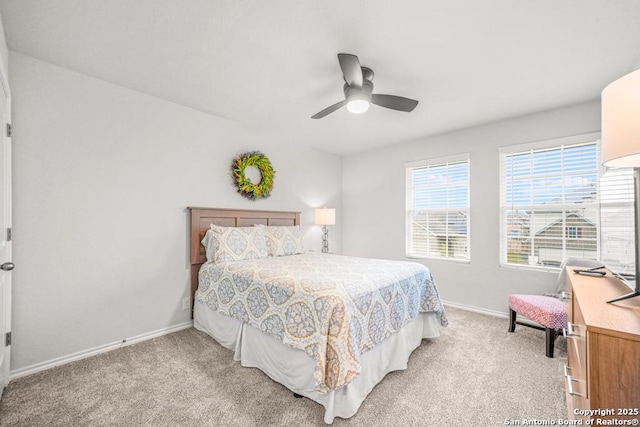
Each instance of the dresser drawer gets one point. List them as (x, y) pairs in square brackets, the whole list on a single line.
[(574, 401), (603, 344), (577, 364)]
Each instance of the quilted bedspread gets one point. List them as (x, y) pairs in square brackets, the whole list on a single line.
[(333, 307)]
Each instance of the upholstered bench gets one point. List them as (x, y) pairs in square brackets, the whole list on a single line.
[(549, 312)]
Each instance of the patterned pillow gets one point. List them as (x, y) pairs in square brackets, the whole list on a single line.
[(238, 243), (282, 240)]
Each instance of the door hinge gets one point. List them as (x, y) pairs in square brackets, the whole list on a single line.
[(7, 339), (9, 234), (8, 130)]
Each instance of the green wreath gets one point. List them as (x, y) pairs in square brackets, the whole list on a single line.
[(244, 186)]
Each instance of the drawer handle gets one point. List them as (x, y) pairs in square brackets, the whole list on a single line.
[(566, 370), (571, 330), (570, 381), (565, 295)]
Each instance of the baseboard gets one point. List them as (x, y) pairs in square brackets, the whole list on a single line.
[(520, 319), (475, 309), (43, 366)]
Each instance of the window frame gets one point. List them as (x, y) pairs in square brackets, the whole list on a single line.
[(434, 162), (622, 201), (550, 144)]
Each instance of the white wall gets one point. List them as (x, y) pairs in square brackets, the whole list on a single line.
[(103, 174), (4, 52), (102, 179), (374, 203)]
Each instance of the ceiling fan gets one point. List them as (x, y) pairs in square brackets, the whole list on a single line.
[(358, 90)]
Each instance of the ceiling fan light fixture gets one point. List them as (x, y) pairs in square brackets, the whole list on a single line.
[(358, 90), (358, 103)]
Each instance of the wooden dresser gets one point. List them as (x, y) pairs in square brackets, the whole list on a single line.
[(603, 349)]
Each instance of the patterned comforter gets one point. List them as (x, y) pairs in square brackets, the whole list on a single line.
[(333, 307)]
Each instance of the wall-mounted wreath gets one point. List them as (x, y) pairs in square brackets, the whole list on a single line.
[(244, 185)]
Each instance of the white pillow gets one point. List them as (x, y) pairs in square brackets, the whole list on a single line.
[(282, 240), (234, 243), (209, 245)]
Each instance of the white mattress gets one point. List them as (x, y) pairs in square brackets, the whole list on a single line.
[(294, 369)]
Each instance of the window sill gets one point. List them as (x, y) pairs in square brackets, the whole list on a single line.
[(541, 269), (431, 258)]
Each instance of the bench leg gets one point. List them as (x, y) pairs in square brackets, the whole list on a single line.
[(550, 338), (512, 320)]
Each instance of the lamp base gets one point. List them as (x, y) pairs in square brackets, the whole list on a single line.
[(325, 239)]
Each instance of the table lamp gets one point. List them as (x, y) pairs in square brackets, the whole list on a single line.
[(324, 217)]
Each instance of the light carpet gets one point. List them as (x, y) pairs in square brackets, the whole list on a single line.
[(475, 374)]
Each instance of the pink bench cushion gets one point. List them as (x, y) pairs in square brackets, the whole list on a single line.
[(548, 311)]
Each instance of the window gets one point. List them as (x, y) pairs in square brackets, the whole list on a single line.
[(572, 232), (438, 208), (550, 202), (617, 235)]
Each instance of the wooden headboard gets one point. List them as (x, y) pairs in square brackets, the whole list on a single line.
[(201, 218)]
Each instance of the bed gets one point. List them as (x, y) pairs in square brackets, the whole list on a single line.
[(325, 326)]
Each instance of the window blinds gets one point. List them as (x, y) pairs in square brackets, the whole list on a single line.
[(438, 209), (549, 204), (617, 236)]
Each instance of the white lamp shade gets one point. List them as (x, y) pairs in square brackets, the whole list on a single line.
[(621, 122), (325, 216)]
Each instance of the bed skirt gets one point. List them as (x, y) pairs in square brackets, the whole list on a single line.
[(294, 369)]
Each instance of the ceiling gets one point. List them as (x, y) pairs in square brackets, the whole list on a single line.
[(271, 65)]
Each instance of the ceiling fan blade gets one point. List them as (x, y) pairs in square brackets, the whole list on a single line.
[(351, 69), (329, 110), (394, 102)]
